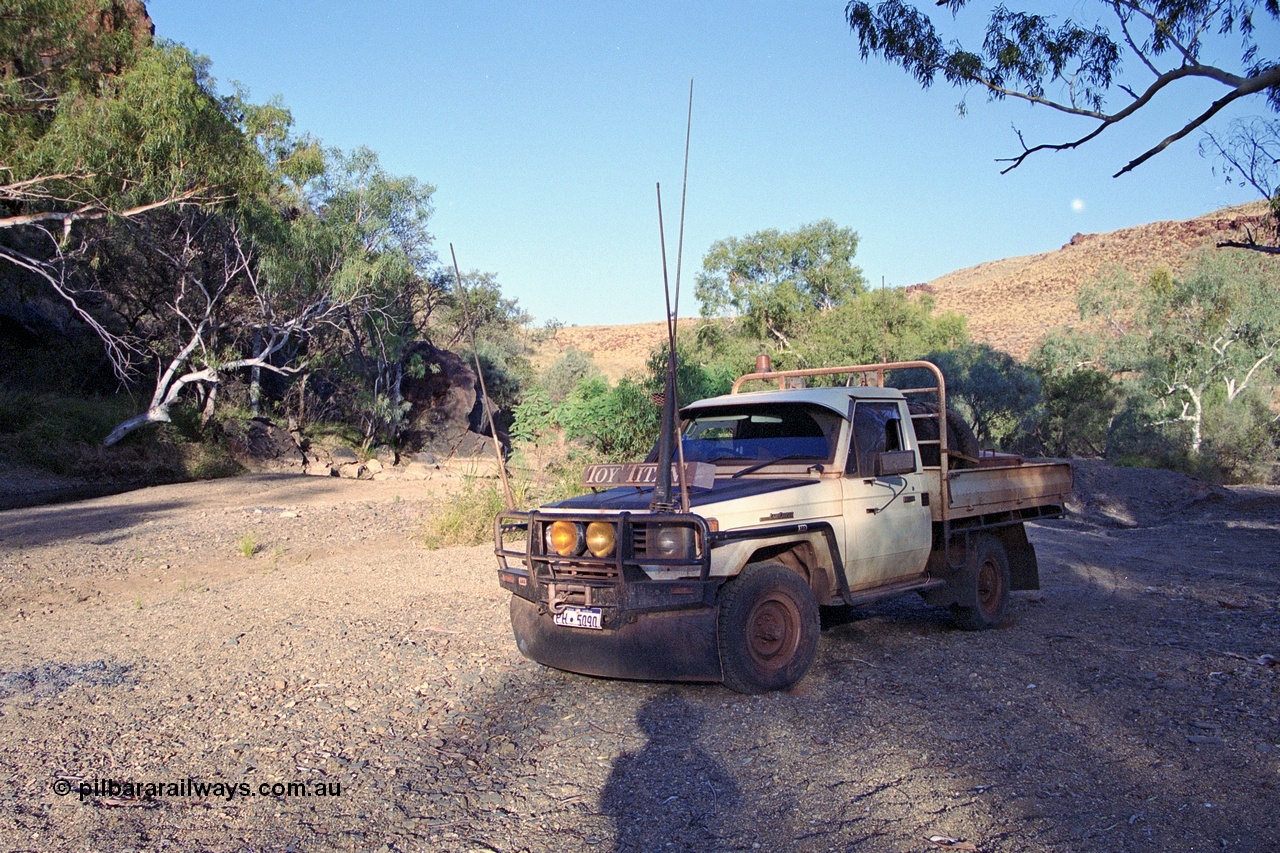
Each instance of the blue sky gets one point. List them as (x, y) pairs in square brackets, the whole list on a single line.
[(544, 127)]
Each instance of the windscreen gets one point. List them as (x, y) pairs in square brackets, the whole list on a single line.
[(759, 433)]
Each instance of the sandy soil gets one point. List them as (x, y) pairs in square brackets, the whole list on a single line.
[(1130, 705)]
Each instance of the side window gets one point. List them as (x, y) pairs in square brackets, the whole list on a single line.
[(877, 428)]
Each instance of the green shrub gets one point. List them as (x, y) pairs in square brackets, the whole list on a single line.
[(1077, 412), (1137, 440), (1241, 441), (567, 372), (468, 518)]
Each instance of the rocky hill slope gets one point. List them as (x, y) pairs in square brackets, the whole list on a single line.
[(1010, 303)]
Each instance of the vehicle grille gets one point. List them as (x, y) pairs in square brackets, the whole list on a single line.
[(601, 572)]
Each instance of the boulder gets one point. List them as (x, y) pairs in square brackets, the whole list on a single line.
[(447, 416), (441, 400), (473, 444), (342, 455), (414, 471), (317, 466), (265, 448)]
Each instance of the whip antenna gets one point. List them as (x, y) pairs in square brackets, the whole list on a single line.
[(666, 435), (670, 443), (673, 325)]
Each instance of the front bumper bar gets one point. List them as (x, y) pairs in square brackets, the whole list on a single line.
[(662, 630), (671, 645)]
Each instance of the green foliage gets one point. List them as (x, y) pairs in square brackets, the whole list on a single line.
[(771, 280), (212, 244), (479, 309), (1139, 438), (37, 423), (696, 379), (798, 297), (1217, 327), (535, 417), (995, 393), (467, 519), (248, 544), (61, 432), (1079, 400), (1078, 408), (617, 424), (1074, 65), (877, 326), (506, 367), (150, 130), (1195, 354), (53, 54), (1242, 441), (567, 372)]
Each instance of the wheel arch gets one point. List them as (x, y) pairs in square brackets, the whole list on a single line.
[(813, 554)]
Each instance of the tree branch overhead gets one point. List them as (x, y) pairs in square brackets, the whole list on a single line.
[(1072, 67)]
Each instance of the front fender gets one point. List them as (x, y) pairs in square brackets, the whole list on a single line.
[(732, 551)]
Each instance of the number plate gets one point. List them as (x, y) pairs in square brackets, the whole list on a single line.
[(579, 617)]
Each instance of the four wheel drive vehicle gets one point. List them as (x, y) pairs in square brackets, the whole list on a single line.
[(796, 497)]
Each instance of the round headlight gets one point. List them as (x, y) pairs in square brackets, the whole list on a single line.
[(600, 538), (565, 538)]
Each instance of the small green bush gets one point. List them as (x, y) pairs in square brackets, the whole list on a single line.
[(468, 518), (247, 544)]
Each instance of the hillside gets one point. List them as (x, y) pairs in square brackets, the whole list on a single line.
[(1010, 303), (617, 350)]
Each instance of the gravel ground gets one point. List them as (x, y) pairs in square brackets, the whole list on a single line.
[(1130, 705)]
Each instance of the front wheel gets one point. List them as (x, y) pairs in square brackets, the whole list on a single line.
[(983, 594), (769, 626)]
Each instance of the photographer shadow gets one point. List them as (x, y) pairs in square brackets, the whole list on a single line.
[(672, 793)]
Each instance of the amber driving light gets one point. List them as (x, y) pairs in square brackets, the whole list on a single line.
[(565, 538), (600, 538)]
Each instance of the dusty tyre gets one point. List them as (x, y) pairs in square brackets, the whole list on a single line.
[(769, 625), (982, 597)]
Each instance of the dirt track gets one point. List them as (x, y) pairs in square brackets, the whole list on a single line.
[(1132, 704)]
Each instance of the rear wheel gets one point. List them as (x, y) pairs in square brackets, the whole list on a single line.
[(982, 598), (769, 626)]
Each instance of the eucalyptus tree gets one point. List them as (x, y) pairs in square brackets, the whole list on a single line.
[(770, 280), (1104, 64), (883, 325), (377, 254), (222, 314), (1202, 339), (100, 124)]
